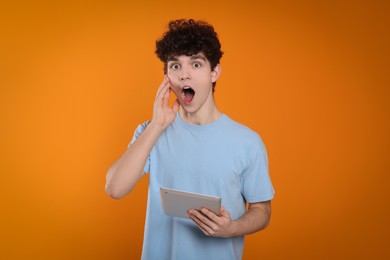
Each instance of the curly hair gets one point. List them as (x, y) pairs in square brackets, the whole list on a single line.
[(189, 37)]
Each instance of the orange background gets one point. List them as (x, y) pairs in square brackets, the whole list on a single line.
[(312, 77)]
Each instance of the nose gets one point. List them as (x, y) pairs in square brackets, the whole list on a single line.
[(184, 74)]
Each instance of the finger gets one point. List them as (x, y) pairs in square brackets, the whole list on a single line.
[(161, 91), (225, 213), (166, 96), (205, 229), (163, 98), (162, 86), (211, 215), (206, 220)]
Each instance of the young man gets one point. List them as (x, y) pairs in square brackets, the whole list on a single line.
[(192, 146)]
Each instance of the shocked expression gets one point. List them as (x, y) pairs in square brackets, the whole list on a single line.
[(192, 80)]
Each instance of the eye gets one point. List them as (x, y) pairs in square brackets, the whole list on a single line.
[(197, 65), (175, 66)]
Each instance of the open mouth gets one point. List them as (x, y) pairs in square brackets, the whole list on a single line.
[(188, 94)]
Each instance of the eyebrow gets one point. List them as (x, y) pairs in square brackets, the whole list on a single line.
[(198, 56), (193, 57), (172, 59)]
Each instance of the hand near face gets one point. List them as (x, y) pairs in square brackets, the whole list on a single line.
[(212, 224), (163, 115)]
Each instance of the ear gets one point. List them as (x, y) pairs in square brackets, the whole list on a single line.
[(216, 73)]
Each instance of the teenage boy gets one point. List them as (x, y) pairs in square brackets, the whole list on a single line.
[(193, 146)]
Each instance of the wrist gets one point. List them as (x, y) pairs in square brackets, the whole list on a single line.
[(155, 127), (234, 229)]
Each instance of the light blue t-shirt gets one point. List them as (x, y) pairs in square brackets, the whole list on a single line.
[(224, 159)]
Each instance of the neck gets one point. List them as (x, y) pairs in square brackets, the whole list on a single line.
[(200, 117)]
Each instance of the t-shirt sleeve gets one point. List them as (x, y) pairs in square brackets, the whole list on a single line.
[(138, 131), (256, 182)]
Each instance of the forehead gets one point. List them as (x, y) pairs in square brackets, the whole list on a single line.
[(183, 57)]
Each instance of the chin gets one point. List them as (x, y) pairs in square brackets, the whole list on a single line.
[(188, 108)]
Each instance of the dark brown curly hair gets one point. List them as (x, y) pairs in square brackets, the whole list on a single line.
[(189, 37)]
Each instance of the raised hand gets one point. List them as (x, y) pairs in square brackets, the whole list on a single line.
[(163, 115)]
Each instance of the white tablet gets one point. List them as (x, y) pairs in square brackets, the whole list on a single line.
[(176, 203)]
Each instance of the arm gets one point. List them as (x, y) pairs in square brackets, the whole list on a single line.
[(124, 174), (256, 218)]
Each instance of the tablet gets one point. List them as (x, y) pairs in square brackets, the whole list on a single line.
[(176, 203)]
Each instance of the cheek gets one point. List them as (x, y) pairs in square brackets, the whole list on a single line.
[(174, 86), (176, 91), (173, 80)]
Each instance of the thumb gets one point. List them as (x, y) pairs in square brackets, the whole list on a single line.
[(224, 212)]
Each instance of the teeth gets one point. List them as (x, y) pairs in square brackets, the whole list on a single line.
[(186, 87)]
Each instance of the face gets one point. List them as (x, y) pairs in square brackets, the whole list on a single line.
[(192, 79)]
